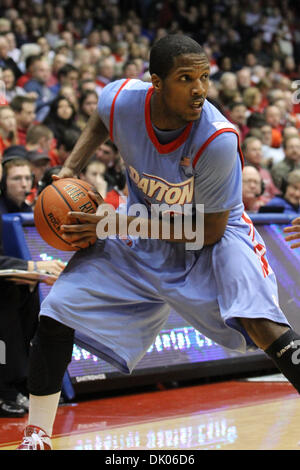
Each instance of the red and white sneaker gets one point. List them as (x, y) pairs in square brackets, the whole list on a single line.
[(35, 439)]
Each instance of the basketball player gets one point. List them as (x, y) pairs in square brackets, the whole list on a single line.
[(175, 145)]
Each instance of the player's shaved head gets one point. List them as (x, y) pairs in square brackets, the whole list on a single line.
[(165, 51)]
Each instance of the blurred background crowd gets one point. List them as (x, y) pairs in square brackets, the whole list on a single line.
[(57, 56)]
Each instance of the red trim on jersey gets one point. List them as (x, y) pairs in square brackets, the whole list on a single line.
[(212, 137), (112, 110), (171, 146), (259, 249)]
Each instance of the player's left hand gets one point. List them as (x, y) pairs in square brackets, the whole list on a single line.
[(81, 230), (295, 227)]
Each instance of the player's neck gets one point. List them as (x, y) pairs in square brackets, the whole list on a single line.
[(161, 117)]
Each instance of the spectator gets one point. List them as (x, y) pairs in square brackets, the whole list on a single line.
[(271, 155), (289, 199), (66, 75), (37, 84), (19, 303), (291, 161), (61, 117), (11, 90), (109, 155), (16, 185), (238, 116), (272, 116), (40, 162), (24, 109), (87, 105), (5, 60), (8, 128), (252, 189), (65, 145), (93, 173), (40, 138), (252, 149), (29, 66), (106, 72)]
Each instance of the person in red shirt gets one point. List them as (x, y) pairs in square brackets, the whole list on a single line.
[(24, 109), (8, 128), (252, 150)]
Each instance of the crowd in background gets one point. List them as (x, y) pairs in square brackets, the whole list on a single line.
[(57, 56)]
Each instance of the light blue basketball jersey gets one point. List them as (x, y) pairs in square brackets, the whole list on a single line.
[(120, 294), (182, 172)]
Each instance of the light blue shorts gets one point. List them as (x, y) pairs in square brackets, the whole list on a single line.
[(120, 295)]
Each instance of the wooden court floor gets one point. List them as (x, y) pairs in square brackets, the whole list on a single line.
[(233, 415)]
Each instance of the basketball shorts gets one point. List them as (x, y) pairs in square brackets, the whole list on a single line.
[(120, 294)]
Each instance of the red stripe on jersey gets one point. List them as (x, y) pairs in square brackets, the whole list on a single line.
[(112, 110), (171, 146), (212, 137), (259, 249)]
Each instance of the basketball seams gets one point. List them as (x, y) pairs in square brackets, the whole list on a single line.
[(48, 211), (46, 219)]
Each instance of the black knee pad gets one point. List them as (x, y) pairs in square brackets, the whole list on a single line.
[(50, 354)]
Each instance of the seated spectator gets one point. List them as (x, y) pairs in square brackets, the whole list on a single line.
[(252, 98), (291, 161), (8, 128), (24, 109), (108, 153), (11, 90), (105, 72), (94, 173), (5, 60), (16, 185), (252, 185), (40, 138), (272, 117), (29, 66), (87, 105), (271, 155), (64, 147), (38, 85), (252, 149), (66, 75), (238, 116), (290, 196), (61, 117), (39, 162), (19, 302)]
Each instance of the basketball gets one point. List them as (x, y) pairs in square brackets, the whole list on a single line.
[(53, 205)]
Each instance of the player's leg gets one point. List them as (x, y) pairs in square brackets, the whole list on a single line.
[(50, 355), (279, 342)]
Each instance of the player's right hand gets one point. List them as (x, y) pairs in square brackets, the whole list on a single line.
[(65, 172), (295, 227)]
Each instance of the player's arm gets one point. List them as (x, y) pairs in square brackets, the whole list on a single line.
[(93, 135), (295, 230), (84, 227)]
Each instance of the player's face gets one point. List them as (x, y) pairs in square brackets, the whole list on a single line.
[(183, 92)]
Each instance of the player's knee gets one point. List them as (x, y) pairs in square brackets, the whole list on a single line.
[(50, 354)]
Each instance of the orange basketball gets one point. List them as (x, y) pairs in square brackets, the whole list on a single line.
[(53, 205)]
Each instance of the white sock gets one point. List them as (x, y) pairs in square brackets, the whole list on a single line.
[(42, 411)]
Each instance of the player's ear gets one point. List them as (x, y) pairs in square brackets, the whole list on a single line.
[(156, 82)]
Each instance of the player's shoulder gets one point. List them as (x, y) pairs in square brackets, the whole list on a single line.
[(122, 85), (215, 119)]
